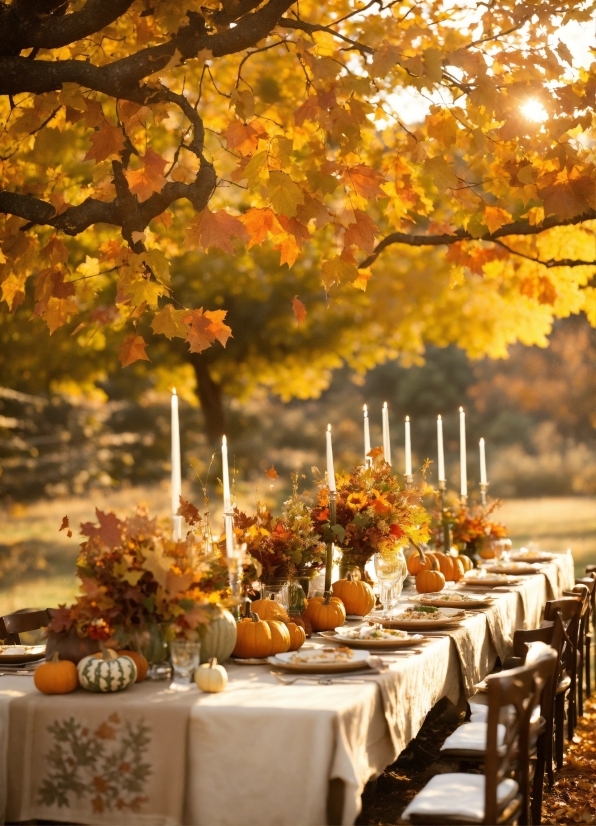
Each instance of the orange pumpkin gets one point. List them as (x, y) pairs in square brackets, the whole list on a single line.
[(139, 660), (466, 562), (430, 581), (325, 613), (297, 635), (280, 637), (445, 565), (253, 638), (269, 609), (419, 562), (357, 596), (56, 676), (305, 623), (458, 568)]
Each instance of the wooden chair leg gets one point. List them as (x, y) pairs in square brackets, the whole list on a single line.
[(580, 684), (588, 665), (538, 784), (559, 726), (571, 709)]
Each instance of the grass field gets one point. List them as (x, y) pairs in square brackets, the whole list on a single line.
[(37, 562)]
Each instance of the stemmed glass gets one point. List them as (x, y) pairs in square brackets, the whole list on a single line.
[(390, 568)]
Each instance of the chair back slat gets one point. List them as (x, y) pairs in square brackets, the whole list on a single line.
[(520, 688), (28, 619), (523, 637)]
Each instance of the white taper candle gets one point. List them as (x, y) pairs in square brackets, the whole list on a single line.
[(367, 458), (462, 453), (330, 468), (386, 440), (408, 448), (441, 452), (176, 484), (227, 498), (483, 479)]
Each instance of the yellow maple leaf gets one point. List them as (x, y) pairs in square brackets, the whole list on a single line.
[(169, 322)]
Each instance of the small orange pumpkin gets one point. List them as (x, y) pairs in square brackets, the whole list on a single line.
[(430, 581), (253, 638), (357, 596), (419, 562), (56, 676), (139, 660), (269, 609), (325, 613), (458, 568), (280, 637), (297, 635), (305, 623), (466, 562), (445, 565)]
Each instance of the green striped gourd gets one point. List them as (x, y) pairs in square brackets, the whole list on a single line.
[(106, 673), (218, 638)]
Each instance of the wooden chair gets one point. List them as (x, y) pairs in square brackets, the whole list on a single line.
[(590, 581), (583, 590), (501, 795), (570, 610), (591, 571), (28, 619), (528, 646)]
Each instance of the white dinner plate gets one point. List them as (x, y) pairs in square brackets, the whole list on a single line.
[(21, 653), (487, 581), (514, 569), (530, 556), (451, 601), (387, 645), (359, 660), (450, 617)]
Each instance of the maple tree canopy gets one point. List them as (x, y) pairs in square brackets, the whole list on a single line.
[(134, 131)]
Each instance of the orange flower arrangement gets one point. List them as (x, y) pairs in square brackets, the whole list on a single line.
[(372, 510)]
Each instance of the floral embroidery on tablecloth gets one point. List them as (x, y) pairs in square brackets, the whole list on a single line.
[(105, 766)]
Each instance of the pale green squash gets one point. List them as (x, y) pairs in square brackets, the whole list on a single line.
[(107, 673), (218, 638)]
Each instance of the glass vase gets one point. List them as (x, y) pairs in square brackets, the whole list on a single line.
[(353, 562), (150, 641)]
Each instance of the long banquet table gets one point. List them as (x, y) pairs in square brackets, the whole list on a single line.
[(260, 752)]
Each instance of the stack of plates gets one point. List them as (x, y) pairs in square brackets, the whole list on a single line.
[(321, 660), (19, 658)]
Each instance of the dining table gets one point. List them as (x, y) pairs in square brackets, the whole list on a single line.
[(283, 749)]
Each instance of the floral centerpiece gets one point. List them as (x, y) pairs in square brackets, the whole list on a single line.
[(373, 512), (471, 528), (279, 547), (135, 580)]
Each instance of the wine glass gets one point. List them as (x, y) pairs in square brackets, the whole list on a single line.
[(390, 568)]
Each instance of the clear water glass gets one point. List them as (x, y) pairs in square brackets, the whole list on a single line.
[(390, 568), (185, 660)]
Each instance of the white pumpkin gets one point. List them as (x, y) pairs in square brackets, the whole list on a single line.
[(211, 677), (218, 637), (106, 672)]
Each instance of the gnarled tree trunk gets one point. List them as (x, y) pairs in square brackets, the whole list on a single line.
[(210, 397)]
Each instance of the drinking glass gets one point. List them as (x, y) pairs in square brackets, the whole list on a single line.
[(185, 660), (390, 568), (276, 589)]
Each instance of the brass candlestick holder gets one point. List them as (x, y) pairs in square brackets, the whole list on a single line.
[(483, 489), (329, 558), (444, 520)]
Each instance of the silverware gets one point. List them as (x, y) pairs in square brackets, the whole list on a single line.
[(16, 673)]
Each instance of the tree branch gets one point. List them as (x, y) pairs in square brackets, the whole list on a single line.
[(125, 212), (288, 23), (122, 77), (22, 29), (551, 262), (515, 228)]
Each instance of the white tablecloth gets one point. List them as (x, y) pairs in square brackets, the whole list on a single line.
[(260, 752)]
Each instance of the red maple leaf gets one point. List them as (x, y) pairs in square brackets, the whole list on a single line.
[(109, 530)]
